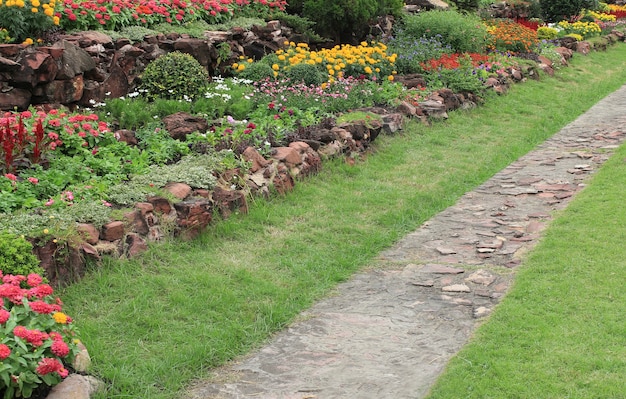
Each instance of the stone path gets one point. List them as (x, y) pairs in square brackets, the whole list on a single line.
[(388, 333)]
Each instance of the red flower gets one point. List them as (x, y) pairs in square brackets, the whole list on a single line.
[(4, 351), (60, 348), (33, 279), (4, 316), (11, 176), (41, 291), (49, 365), (41, 307)]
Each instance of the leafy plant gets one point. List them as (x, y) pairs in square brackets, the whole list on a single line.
[(254, 71), (16, 256), (39, 340), (414, 51), (558, 10), (306, 73), (176, 76), (463, 32), (25, 19)]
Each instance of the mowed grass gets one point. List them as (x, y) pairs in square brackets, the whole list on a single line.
[(561, 330), (155, 323)]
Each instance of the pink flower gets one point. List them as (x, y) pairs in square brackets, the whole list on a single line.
[(41, 291), (41, 307), (33, 180), (5, 351), (34, 279), (4, 316), (49, 202), (10, 176), (49, 365), (60, 348)]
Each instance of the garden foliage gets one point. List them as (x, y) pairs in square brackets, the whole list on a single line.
[(16, 256), (462, 32), (176, 76)]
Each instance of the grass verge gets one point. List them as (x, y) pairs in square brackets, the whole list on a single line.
[(560, 332), (154, 323)]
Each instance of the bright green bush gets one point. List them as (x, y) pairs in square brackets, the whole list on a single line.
[(175, 76), (256, 71), (16, 256), (463, 32), (306, 73)]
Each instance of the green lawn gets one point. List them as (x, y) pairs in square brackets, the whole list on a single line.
[(154, 323)]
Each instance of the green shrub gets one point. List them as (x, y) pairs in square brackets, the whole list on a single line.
[(463, 32), (257, 71), (559, 10), (346, 21), (175, 76), (307, 73), (16, 256), (467, 5)]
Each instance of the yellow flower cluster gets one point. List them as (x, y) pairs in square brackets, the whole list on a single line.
[(36, 6), (60, 317), (600, 16), (370, 60), (584, 29), (615, 7)]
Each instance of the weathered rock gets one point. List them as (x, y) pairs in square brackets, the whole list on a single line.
[(113, 231), (178, 190), (288, 155), (61, 91), (251, 155), (229, 201), (13, 97), (583, 47), (76, 386), (193, 216), (135, 245), (82, 361), (481, 277), (35, 67), (456, 288), (180, 124), (434, 109), (88, 232), (74, 61)]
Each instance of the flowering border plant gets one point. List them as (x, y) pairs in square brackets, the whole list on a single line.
[(39, 341)]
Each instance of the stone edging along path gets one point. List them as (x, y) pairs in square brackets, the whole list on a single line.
[(389, 332)]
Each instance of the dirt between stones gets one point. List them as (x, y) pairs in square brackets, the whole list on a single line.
[(389, 332)]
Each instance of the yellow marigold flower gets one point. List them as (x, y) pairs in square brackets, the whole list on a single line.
[(49, 12), (331, 72), (235, 65), (275, 67), (34, 10), (250, 60), (319, 60), (56, 20), (20, 3), (377, 70), (390, 78), (286, 43), (241, 57), (282, 57), (60, 317), (324, 86), (364, 44), (275, 74), (241, 67), (367, 70), (45, 231), (337, 67), (35, 3)]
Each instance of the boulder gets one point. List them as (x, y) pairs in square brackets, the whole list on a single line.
[(180, 124)]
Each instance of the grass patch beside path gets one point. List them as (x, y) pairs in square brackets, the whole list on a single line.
[(561, 330), (155, 323)]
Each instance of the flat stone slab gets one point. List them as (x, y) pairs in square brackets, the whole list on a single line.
[(389, 333)]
